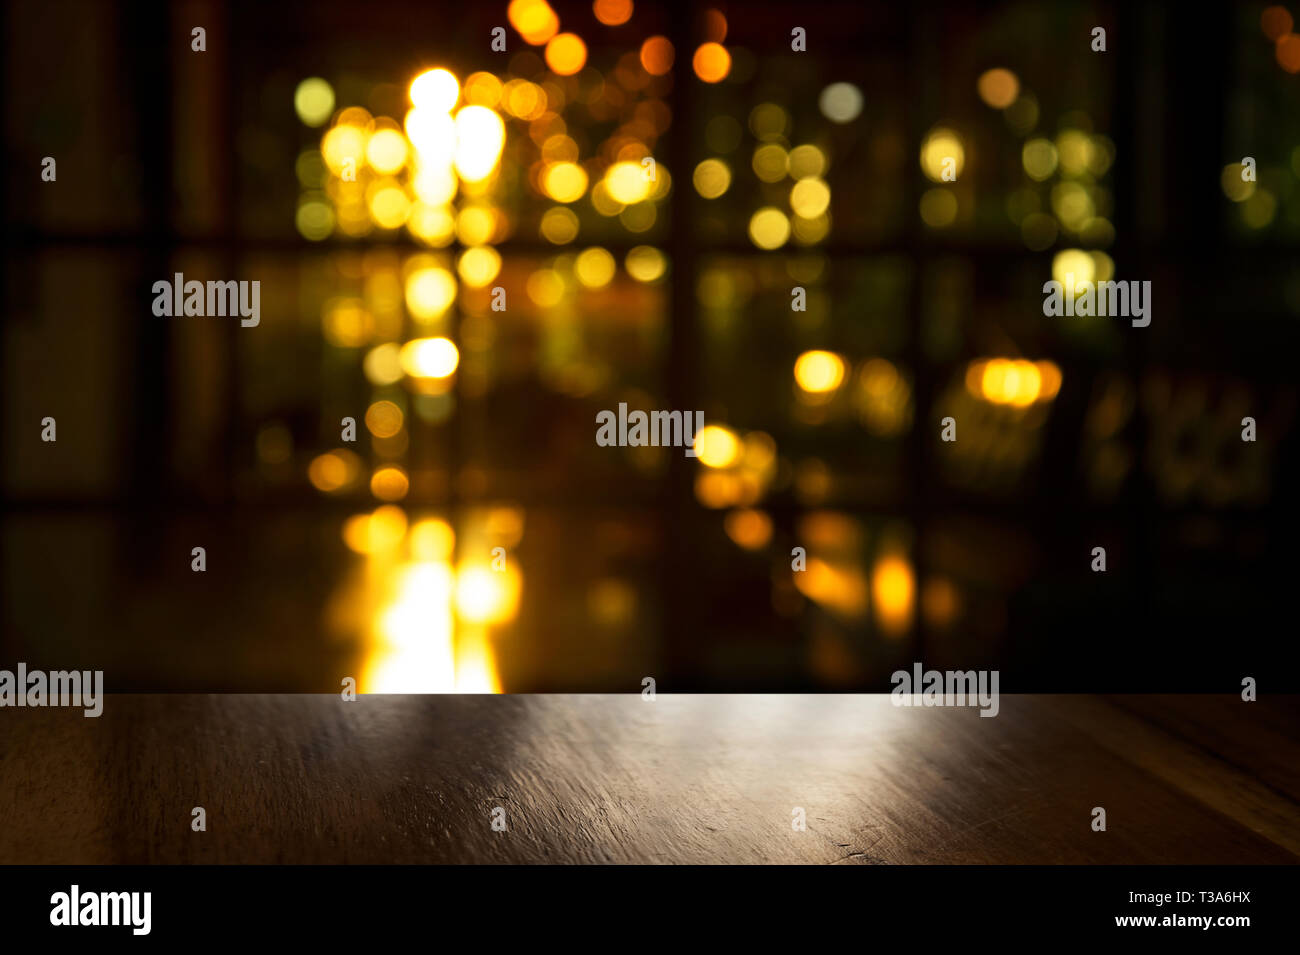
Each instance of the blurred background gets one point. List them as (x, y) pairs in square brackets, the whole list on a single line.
[(380, 169)]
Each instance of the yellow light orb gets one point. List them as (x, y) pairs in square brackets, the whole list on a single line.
[(712, 178), (1073, 265), (1039, 158), (819, 372), (430, 357), (806, 161), (645, 263), (386, 151), (343, 146), (770, 162), (429, 293), (942, 152), (389, 483), (433, 135), (480, 136), (435, 90), (382, 364), (482, 89), (479, 266), (565, 181), (389, 207), (627, 182), (315, 220), (559, 225), (534, 19), (431, 224), (769, 228), (566, 54), (810, 197), (434, 185), (595, 267), (475, 225), (716, 446), (313, 101), (384, 419), (432, 539)]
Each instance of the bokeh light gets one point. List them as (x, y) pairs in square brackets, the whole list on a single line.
[(998, 87), (613, 13), (818, 372), (313, 101), (430, 357), (566, 54), (657, 55), (436, 90), (712, 62)]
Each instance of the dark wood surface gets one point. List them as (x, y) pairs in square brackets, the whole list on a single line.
[(711, 779)]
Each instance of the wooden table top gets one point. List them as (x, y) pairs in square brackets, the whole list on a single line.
[(692, 779)]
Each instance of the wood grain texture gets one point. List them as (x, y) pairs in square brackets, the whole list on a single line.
[(689, 779)]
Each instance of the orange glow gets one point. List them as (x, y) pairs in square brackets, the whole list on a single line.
[(715, 26), (940, 602), (748, 528), (1288, 53), (564, 181), (712, 62), (566, 54), (484, 595), (334, 470), (893, 587), (840, 589), (1013, 381), (384, 419), (612, 13), (1276, 22), (998, 87), (389, 483), (657, 55), (534, 19), (375, 533), (432, 539)]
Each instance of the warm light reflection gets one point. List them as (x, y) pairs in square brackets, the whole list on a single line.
[(431, 623), (414, 649)]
